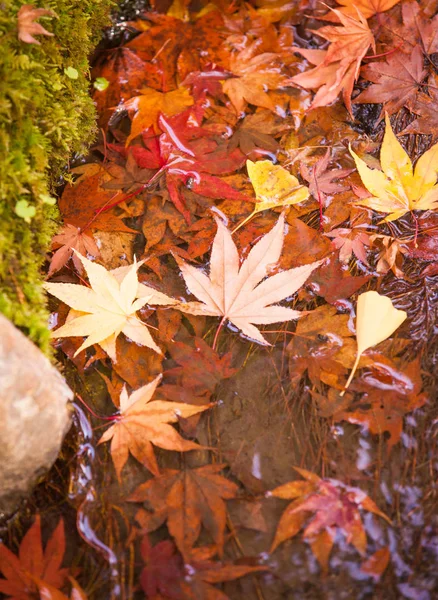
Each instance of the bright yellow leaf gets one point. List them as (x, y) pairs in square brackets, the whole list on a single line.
[(399, 188), (274, 186), (376, 320)]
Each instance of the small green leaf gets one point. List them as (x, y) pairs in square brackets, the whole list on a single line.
[(101, 84), (24, 210), (71, 72), (48, 199)]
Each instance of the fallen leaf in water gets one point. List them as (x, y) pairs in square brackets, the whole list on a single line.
[(368, 8), (337, 68), (71, 238), (142, 423), (108, 308), (333, 281), (274, 186), (348, 242), (186, 500), (33, 562), (163, 570), (376, 320), (398, 188), (27, 26), (236, 294), (376, 564), (395, 83), (146, 108), (336, 506)]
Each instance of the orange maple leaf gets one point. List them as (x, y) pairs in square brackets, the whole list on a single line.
[(142, 423), (27, 27), (337, 68)]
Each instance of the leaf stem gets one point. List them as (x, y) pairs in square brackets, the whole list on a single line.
[(216, 336), (254, 212), (353, 371), (113, 418)]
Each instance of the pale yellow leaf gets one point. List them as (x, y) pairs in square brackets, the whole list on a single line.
[(108, 308), (240, 295), (376, 321)]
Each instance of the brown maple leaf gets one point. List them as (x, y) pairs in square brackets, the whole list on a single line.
[(390, 255), (395, 83), (142, 423), (71, 238), (27, 26), (426, 108), (33, 563), (337, 68), (336, 506), (186, 500), (253, 77)]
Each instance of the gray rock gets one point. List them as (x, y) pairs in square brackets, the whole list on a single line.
[(34, 415)]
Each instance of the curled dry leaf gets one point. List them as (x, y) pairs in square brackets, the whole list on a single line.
[(108, 308), (142, 423), (27, 26), (238, 294), (376, 320)]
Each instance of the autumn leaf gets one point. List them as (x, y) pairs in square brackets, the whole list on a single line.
[(257, 133), (335, 506), (348, 242), (253, 77), (399, 188), (33, 561), (163, 570), (27, 25), (236, 294), (274, 186), (146, 108), (186, 500), (376, 320), (320, 179), (337, 68), (71, 238), (425, 108), (108, 308), (368, 8), (143, 423), (395, 83)]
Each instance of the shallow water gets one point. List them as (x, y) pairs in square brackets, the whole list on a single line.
[(277, 408)]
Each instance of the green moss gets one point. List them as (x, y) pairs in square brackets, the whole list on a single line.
[(45, 116)]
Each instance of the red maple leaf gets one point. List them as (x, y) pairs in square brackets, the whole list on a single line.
[(33, 563)]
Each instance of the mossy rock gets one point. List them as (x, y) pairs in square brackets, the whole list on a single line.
[(46, 115)]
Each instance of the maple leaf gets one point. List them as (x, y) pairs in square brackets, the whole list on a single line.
[(163, 570), (336, 506), (399, 188), (200, 368), (395, 83), (27, 26), (142, 423), (33, 562), (145, 109), (186, 500), (254, 76), (426, 107), (368, 8), (236, 294), (337, 68), (349, 242), (256, 132), (320, 180), (403, 394), (333, 281), (71, 238), (108, 308), (391, 251)]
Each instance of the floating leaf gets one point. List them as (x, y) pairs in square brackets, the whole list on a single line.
[(376, 320)]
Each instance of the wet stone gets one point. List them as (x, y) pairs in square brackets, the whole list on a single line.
[(35, 415)]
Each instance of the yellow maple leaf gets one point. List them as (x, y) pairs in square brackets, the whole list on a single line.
[(147, 107), (274, 186), (368, 8), (108, 308), (399, 188)]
